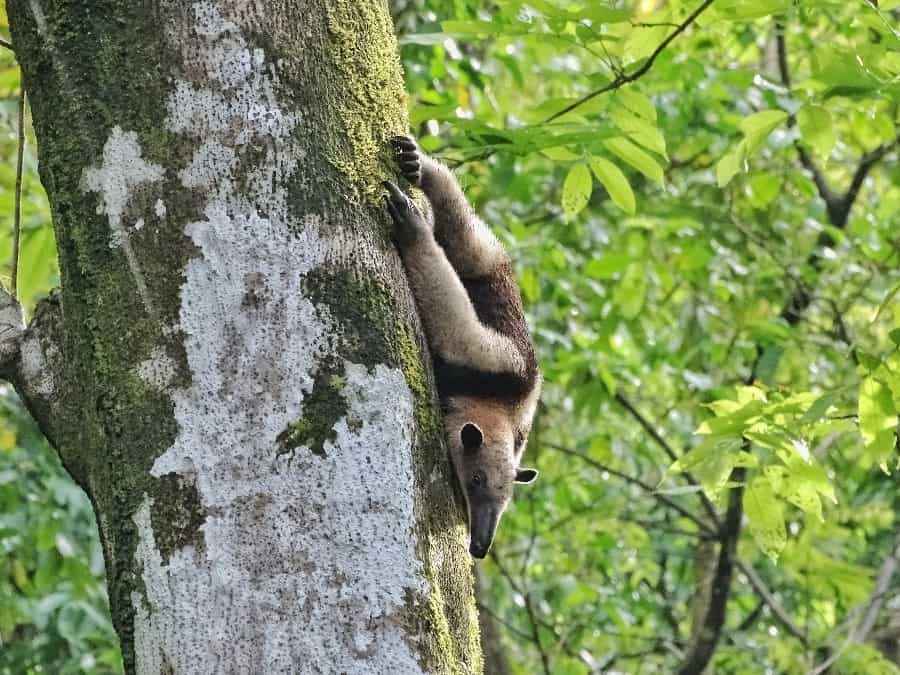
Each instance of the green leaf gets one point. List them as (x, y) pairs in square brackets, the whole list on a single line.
[(528, 282), (877, 420), (630, 293), (608, 266), (758, 126), (728, 167), (615, 183), (712, 461), (805, 482), (818, 409), (560, 154), (470, 28), (887, 300), (765, 514), (637, 103), (741, 10), (817, 129), (764, 188), (638, 158), (638, 129), (576, 189)]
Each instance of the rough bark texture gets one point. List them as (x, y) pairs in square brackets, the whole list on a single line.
[(232, 369)]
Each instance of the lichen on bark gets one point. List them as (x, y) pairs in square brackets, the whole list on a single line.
[(228, 290)]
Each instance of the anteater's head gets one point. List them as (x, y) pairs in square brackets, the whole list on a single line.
[(485, 447)]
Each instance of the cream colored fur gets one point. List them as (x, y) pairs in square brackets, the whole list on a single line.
[(453, 328)]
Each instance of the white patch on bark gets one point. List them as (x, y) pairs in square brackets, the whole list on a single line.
[(307, 561), (39, 19), (310, 565), (160, 208), (158, 370), (34, 367), (12, 325), (122, 172)]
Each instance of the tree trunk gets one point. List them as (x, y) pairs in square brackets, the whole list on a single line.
[(233, 369)]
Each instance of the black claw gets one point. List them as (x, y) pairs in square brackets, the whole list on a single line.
[(398, 203), (396, 200), (402, 143), (392, 189)]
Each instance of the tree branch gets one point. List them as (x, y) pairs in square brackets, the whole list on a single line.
[(759, 586), (646, 487), (707, 637), (825, 192), (17, 213), (876, 599), (529, 609), (631, 77), (12, 327), (870, 609), (838, 206), (869, 160), (670, 452)]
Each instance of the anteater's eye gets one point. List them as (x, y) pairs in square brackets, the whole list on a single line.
[(477, 479)]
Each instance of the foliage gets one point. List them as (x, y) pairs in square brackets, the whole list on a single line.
[(53, 609), (708, 320), (681, 264)]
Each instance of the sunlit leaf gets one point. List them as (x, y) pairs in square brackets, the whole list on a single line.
[(636, 157), (615, 183), (732, 162), (765, 516), (758, 126), (631, 291), (817, 129), (877, 420), (637, 103), (576, 189)]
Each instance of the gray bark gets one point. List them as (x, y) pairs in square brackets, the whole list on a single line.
[(232, 368)]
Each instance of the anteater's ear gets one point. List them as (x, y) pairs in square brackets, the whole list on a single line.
[(526, 475), (471, 437)]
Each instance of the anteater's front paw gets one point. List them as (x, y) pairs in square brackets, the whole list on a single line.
[(409, 223), (409, 159)]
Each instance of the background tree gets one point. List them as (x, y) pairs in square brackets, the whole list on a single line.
[(231, 370), (719, 206)]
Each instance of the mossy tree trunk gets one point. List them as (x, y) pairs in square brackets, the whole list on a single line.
[(232, 368)]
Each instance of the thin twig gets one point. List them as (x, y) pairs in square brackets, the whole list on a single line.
[(529, 610), (876, 599), (842, 333), (670, 452), (759, 586), (6, 44), (518, 632), (838, 206), (646, 487), (17, 213), (625, 79), (704, 645)]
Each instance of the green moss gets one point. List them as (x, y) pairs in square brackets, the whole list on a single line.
[(112, 425), (367, 311), (346, 65), (177, 515), (372, 78), (323, 407)]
